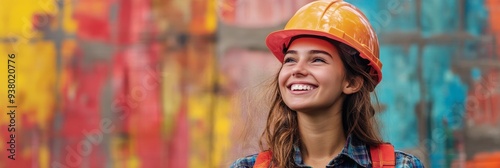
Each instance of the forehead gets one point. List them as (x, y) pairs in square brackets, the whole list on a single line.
[(311, 43)]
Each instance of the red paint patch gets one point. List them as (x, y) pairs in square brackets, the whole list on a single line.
[(482, 103)]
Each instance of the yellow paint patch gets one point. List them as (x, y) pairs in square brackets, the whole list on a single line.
[(17, 16), (35, 80)]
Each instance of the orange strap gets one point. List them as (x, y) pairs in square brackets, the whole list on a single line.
[(263, 159), (383, 156)]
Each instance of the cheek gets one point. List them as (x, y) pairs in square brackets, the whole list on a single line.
[(281, 80), (282, 77), (331, 77)]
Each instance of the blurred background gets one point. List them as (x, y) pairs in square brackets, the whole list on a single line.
[(181, 83)]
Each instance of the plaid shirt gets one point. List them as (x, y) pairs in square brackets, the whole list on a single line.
[(354, 154)]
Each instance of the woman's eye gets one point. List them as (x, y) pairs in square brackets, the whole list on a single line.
[(318, 60), (287, 60)]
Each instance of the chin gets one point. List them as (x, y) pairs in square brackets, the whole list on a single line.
[(308, 107), (299, 104), (300, 108)]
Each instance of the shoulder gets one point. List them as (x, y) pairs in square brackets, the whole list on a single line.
[(405, 160), (245, 162)]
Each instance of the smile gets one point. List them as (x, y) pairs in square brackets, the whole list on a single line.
[(302, 87)]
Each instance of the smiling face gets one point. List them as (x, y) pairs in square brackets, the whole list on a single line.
[(312, 77)]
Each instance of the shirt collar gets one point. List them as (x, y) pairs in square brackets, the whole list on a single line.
[(354, 149)]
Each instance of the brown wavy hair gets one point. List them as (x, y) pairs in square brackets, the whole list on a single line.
[(281, 132)]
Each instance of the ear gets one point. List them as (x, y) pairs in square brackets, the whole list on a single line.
[(353, 85)]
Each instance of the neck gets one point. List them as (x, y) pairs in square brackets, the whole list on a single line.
[(322, 136)]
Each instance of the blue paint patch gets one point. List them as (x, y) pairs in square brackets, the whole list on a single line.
[(445, 91), (476, 16), (439, 17), (399, 92), (470, 51), (446, 97), (475, 73)]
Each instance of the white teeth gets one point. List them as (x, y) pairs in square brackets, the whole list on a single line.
[(295, 87)]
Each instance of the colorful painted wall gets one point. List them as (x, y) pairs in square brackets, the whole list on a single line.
[(182, 83)]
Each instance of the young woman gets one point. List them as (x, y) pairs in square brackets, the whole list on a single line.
[(322, 114)]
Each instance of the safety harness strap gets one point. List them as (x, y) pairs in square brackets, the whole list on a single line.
[(263, 159), (382, 156)]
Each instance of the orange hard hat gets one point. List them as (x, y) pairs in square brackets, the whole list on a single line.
[(336, 20)]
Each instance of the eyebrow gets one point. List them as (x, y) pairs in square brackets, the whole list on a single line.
[(319, 52), (310, 52)]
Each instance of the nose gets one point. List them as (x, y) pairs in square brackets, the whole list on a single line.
[(300, 69)]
